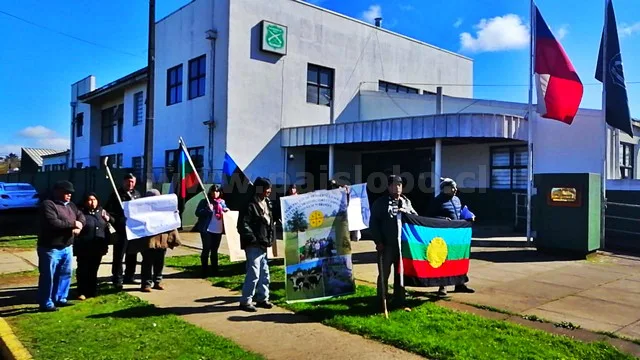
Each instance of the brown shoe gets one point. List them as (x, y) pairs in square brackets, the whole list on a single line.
[(158, 287), (82, 298), (146, 289)]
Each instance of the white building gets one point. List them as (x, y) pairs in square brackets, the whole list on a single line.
[(56, 162), (309, 73), (280, 85)]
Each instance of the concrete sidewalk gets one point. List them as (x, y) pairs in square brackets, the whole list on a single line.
[(599, 295)]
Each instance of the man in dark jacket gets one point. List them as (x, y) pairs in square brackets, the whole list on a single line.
[(127, 193), (447, 205), (384, 229), (60, 222), (256, 227)]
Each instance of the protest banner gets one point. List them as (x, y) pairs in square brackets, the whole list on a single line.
[(317, 246), (435, 252), (230, 219), (151, 215), (358, 212)]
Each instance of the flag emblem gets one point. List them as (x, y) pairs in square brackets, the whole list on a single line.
[(437, 252), (316, 218)]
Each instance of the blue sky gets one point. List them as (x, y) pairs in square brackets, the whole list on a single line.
[(39, 64)]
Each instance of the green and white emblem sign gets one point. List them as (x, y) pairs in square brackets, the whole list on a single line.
[(274, 38)]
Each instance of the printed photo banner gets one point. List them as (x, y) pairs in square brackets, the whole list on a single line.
[(317, 246), (434, 252), (358, 212)]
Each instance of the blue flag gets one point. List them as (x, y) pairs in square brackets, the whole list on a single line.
[(229, 165), (617, 105)]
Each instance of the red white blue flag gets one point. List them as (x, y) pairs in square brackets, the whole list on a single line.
[(558, 85)]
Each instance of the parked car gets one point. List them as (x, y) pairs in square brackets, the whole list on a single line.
[(18, 196)]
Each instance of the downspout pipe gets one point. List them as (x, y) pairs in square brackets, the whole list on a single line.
[(212, 36)]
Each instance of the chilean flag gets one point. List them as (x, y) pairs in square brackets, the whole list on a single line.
[(558, 85)]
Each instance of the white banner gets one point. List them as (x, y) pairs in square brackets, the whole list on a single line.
[(151, 215), (230, 219), (358, 213)]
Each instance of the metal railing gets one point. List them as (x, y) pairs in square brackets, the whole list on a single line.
[(520, 209), (622, 218)]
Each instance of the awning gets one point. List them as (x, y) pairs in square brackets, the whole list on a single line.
[(468, 125)]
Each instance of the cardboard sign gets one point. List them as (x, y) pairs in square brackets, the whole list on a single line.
[(236, 254)]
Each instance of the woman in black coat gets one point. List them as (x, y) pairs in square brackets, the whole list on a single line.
[(91, 245)]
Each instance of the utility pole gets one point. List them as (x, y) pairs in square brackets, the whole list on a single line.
[(148, 126)]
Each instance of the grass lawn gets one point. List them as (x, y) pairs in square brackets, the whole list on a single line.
[(119, 326), (19, 242), (428, 330)]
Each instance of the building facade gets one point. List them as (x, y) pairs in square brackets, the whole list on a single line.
[(230, 75)]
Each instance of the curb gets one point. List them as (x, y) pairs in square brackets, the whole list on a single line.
[(10, 347)]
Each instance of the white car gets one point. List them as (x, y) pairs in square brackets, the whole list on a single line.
[(18, 196)]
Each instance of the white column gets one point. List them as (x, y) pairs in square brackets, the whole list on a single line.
[(437, 168)]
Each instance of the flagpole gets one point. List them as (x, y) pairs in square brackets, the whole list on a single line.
[(195, 170), (530, 118), (604, 125)]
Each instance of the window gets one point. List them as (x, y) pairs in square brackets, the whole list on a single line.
[(319, 85), (115, 161), (138, 108), (136, 164), (626, 161), (111, 125), (171, 160), (79, 165), (47, 168), (391, 87), (79, 124), (509, 167), (197, 76), (174, 85)]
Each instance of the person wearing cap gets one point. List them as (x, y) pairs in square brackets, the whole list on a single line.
[(256, 226), (384, 230), (127, 193), (447, 205), (60, 223)]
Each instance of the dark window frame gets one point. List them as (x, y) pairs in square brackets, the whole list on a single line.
[(171, 165), (107, 124), (627, 170), (317, 85), (197, 77), (79, 124), (174, 85), (397, 88), (138, 108), (513, 150)]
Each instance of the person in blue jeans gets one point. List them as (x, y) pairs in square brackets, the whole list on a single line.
[(256, 227), (211, 227), (60, 223)]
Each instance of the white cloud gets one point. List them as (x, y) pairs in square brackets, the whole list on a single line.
[(407, 7), (562, 31), (55, 143), (370, 15), (6, 149), (458, 23), (36, 132), (500, 33), (629, 29)]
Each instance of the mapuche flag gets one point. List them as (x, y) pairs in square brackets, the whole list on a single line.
[(435, 252), (558, 86), (617, 104), (188, 181)]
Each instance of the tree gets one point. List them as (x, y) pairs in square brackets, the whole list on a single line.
[(298, 222), (12, 160)]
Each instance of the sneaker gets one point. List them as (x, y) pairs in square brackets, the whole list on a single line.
[(464, 289), (442, 291), (146, 289), (158, 287), (248, 307), (49, 309), (264, 304)]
